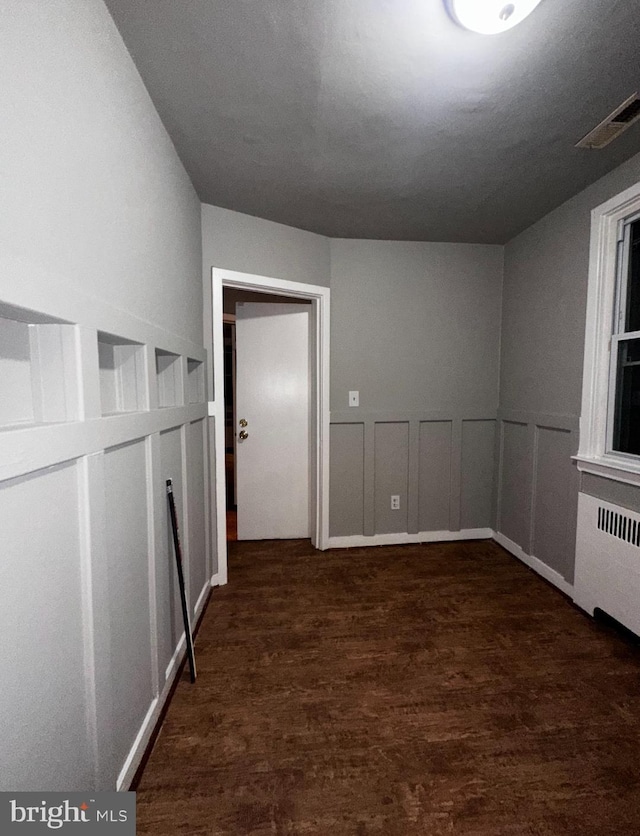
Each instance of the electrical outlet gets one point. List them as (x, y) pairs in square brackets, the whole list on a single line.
[(395, 502), (354, 398)]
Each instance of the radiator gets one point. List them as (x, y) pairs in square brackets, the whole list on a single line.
[(607, 572)]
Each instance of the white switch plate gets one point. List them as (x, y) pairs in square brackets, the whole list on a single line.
[(395, 502), (354, 398)]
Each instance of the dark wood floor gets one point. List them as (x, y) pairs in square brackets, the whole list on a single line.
[(441, 689)]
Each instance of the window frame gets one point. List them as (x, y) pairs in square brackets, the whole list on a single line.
[(605, 303), (618, 332)]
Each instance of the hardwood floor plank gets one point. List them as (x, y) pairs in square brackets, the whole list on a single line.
[(431, 689)]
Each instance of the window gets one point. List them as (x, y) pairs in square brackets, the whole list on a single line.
[(624, 396), (610, 420)]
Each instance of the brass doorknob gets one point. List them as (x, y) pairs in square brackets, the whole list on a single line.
[(243, 435), (243, 422)]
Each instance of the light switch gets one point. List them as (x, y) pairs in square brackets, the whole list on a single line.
[(354, 398)]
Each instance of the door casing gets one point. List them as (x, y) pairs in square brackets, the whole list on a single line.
[(320, 299)]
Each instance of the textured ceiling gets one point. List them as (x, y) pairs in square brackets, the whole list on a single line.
[(382, 118)]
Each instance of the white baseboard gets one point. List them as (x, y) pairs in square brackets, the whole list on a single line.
[(132, 762), (176, 659), (534, 563), (143, 737), (402, 538), (202, 599), (217, 580), (549, 574)]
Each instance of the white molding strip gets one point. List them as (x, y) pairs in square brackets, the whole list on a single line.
[(359, 540), (358, 415), (535, 563), (143, 737), (402, 538), (201, 601), (32, 447), (175, 660), (136, 753), (216, 580), (616, 470)]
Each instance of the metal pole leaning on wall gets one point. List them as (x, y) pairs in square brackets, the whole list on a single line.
[(183, 594)]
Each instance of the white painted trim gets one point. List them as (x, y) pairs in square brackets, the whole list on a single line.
[(402, 538), (215, 579), (535, 563), (143, 737), (201, 602), (152, 458), (84, 476), (598, 331), (216, 411), (627, 472), (321, 296), (136, 753), (30, 447), (178, 655)]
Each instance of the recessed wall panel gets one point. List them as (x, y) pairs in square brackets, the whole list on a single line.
[(346, 510), (195, 376), (128, 571), (213, 488), (477, 479), (42, 693), (195, 494), (170, 627), (391, 476), (434, 475), (554, 513), (515, 487), (16, 399), (169, 377), (122, 374)]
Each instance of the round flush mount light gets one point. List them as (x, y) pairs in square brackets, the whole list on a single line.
[(489, 17)]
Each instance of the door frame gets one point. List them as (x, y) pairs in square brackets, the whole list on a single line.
[(320, 299)]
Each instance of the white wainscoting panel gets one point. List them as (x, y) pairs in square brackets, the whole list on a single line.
[(89, 608)]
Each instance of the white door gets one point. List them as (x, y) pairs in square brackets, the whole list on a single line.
[(273, 398)]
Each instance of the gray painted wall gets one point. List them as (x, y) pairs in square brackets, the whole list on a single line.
[(100, 226), (543, 326), (95, 198), (618, 493), (252, 245), (246, 244), (415, 328)]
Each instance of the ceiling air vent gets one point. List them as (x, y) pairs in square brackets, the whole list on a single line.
[(622, 118)]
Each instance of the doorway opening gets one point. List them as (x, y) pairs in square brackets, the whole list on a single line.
[(228, 289), (271, 352), (229, 336)]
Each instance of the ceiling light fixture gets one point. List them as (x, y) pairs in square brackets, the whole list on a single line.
[(489, 17)]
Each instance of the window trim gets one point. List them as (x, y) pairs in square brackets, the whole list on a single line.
[(593, 455)]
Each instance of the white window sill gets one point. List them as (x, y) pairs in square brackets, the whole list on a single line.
[(610, 467)]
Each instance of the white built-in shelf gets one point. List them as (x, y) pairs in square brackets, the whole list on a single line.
[(38, 369), (195, 374), (169, 377), (122, 375)]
